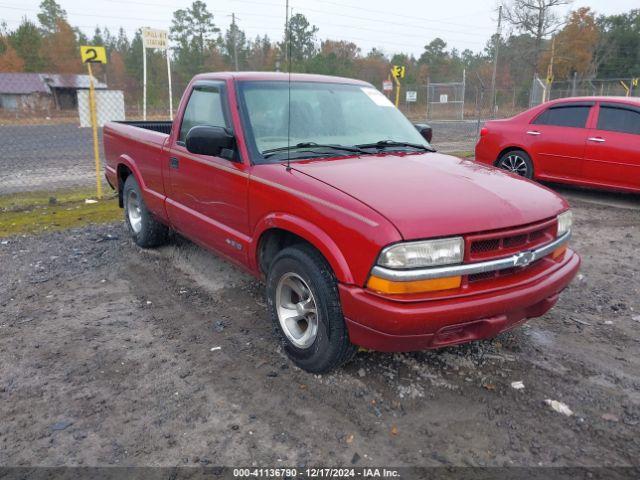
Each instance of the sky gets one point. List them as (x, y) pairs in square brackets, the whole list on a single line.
[(391, 26)]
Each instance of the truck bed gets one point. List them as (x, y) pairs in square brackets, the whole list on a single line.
[(155, 126)]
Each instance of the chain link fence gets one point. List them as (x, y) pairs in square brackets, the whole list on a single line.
[(47, 140)]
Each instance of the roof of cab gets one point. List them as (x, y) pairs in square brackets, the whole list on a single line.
[(277, 76), (628, 100)]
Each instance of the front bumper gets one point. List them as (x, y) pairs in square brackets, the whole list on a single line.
[(386, 325)]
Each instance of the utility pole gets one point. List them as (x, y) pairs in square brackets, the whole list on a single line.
[(495, 62), (234, 29)]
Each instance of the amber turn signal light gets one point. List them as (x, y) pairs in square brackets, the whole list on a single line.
[(381, 285), (559, 252)]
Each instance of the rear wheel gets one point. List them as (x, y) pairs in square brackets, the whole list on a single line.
[(305, 308), (145, 230), (516, 161)]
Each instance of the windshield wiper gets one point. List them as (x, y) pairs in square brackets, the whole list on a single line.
[(392, 143), (342, 148)]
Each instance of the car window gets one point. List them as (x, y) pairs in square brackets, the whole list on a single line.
[(204, 108), (570, 116), (619, 119)]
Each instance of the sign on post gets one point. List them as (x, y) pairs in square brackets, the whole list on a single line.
[(94, 54), (412, 96), (398, 71), (158, 39), (387, 86), (444, 98)]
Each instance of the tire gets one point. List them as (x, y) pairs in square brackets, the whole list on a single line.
[(329, 347), (518, 162), (145, 230)]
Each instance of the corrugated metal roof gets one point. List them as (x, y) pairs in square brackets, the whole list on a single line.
[(26, 83)]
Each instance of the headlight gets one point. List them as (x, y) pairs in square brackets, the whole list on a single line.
[(428, 253), (565, 220)]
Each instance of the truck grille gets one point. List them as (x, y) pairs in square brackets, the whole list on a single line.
[(502, 243)]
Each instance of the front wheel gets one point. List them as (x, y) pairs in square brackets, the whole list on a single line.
[(516, 161), (305, 308)]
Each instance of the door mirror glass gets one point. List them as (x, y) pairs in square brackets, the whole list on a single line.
[(212, 141), (425, 130)]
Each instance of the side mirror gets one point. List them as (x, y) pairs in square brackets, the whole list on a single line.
[(213, 141), (425, 130)]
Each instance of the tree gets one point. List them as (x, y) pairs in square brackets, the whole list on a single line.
[(61, 50), (193, 31), (10, 61), (235, 47), (50, 14), (300, 40), (262, 54), (536, 18), (575, 46), (27, 42), (618, 52), (335, 58)]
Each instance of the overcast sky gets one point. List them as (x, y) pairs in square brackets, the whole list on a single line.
[(390, 25)]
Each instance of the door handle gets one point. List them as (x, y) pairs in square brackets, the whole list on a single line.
[(533, 132), (596, 139), (173, 162)]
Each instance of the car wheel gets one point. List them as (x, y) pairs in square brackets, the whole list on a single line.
[(145, 230), (516, 161), (303, 299)]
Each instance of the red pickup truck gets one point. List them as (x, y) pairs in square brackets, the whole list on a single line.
[(363, 234)]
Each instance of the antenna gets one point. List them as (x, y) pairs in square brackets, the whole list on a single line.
[(288, 47)]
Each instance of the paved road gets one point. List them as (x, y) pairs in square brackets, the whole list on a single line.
[(42, 157)]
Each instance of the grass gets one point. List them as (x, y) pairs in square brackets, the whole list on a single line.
[(37, 212), (462, 154)]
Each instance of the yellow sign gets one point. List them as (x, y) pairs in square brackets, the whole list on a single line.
[(634, 82), (91, 54), (398, 71)]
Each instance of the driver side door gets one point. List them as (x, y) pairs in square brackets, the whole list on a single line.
[(207, 199)]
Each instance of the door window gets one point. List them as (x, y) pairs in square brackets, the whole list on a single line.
[(565, 116), (204, 108), (619, 119)]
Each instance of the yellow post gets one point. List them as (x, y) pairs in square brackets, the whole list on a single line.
[(94, 127), (397, 91), (627, 89)]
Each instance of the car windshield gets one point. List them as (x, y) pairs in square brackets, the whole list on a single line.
[(322, 115)]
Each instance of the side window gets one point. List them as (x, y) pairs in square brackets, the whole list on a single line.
[(574, 116), (204, 108), (619, 119)]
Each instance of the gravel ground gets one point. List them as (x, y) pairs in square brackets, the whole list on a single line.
[(109, 356)]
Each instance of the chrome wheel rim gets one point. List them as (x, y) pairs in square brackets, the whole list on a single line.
[(515, 164), (134, 212), (297, 311)]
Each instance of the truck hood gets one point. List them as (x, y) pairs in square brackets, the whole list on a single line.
[(430, 194)]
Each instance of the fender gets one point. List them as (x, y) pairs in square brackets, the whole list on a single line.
[(311, 233), (155, 201)]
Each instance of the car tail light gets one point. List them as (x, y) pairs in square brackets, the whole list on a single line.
[(484, 131)]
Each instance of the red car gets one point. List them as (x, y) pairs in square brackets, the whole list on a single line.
[(362, 233), (586, 141)]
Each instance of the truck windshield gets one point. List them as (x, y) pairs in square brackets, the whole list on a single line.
[(324, 114)]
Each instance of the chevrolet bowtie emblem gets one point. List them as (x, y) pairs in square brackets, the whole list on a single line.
[(523, 259)]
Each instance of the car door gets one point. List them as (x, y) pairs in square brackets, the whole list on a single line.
[(612, 155), (556, 140), (207, 199)]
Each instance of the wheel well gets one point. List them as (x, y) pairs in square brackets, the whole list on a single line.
[(123, 172), (505, 151), (274, 240)]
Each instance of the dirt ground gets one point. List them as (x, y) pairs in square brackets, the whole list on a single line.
[(109, 356)]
